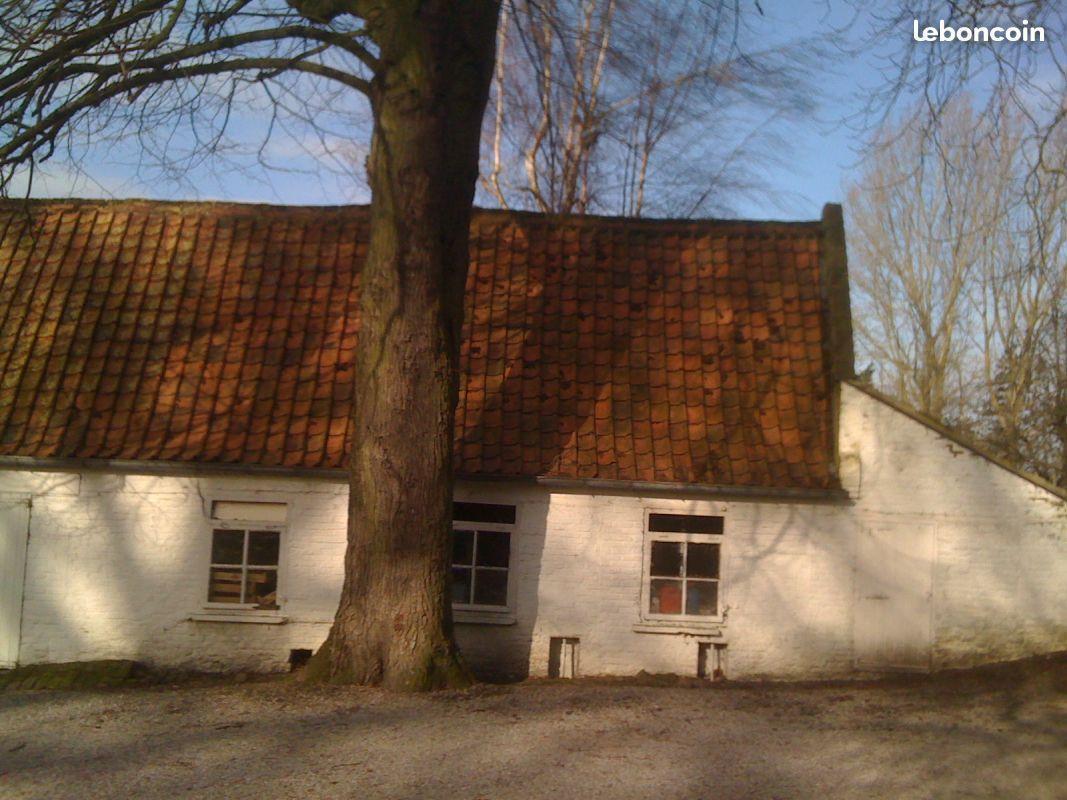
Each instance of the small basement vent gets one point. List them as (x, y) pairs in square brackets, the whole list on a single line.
[(563, 657), (711, 660), (298, 658)]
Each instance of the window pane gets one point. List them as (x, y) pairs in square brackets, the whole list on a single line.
[(702, 598), (491, 587), (684, 523), (667, 558), (462, 547), (483, 512), (224, 586), (263, 548), (461, 585), (665, 597), (262, 588), (493, 548), (702, 561), (227, 547)]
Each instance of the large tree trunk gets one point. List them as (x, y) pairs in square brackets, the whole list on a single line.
[(394, 623)]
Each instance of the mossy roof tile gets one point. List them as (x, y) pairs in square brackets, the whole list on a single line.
[(592, 347)]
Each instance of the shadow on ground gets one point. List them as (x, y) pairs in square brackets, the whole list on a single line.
[(994, 732)]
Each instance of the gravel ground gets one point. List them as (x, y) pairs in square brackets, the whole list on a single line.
[(965, 736)]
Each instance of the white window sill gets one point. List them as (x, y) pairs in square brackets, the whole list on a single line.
[(712, 629), (466, 616), (247, 617)]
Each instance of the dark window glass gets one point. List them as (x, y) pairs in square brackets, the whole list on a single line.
[(463, 547), (493, 548), (483, 512), (665, 597), (667, 558), (263, 548), (461, 585), (702, 561), (225, 585), (702, 598), (227, 547), (684, 523), (262, 588), (491, 587), (699, 591), (488, 552)]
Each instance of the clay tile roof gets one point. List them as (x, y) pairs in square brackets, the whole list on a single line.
[(593, 348)]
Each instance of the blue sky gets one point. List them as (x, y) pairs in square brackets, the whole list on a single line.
[(823, 152)]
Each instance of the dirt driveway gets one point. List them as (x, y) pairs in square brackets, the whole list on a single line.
[(968, 736)]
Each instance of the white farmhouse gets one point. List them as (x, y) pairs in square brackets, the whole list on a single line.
[(664, 462)]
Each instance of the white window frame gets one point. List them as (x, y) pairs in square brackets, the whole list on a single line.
[(247, 526), (466, 525), (646, 569)]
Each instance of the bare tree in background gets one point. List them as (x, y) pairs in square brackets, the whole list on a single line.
[(959, 263), (1021, 300), (1011, 384), (913, 251), (86, 71), (1027, 80), (635, 106)]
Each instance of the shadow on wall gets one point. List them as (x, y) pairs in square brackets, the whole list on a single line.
[(998, 552), (106, 575), (502, 653)]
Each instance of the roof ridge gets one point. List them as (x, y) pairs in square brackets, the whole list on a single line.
[(549, 217)]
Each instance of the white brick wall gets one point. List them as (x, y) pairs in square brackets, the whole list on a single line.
[(118, 563), (1000, 563)]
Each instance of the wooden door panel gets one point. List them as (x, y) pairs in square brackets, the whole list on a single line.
[(894, 574), (14, 532)]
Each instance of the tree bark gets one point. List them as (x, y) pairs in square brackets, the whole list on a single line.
[(394, 622)]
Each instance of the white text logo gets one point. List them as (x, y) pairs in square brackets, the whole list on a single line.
[(948, 33)]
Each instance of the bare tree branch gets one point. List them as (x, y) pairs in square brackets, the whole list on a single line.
[(72, 66), (960, 269), (1026, 78), (635, 107)]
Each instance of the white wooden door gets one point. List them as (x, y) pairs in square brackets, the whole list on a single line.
[(14, 532), (894, 575)]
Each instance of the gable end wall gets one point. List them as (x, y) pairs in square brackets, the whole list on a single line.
[(1000, 555)]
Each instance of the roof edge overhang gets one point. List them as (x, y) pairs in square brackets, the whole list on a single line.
[(334, 475), (712, 491), (963, 441)]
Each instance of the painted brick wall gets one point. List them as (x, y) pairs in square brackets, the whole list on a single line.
[(117, 564), (1000, 542)]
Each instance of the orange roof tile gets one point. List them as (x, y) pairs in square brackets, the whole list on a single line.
[(682, 351)]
